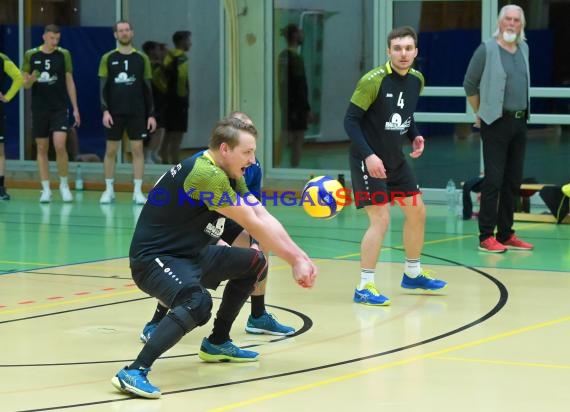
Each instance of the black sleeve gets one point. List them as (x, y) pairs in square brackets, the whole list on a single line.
[(353, 128), (103, 93), (413, 130), (149, 101)]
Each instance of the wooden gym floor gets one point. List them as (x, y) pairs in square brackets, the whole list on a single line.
[(497, 340)]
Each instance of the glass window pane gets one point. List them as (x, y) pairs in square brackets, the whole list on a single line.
[(448, 32), (151, 20), (329, 48)]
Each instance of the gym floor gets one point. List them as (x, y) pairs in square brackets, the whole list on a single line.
[(496, 340)]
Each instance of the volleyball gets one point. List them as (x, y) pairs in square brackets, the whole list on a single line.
[(320, 197)]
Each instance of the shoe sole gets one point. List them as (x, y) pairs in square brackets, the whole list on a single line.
[(207, 357), (124, 387), (519, 248), (426, 290), (386, 303), (482, 249), (256, 331)]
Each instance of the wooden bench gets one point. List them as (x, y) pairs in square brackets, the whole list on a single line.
[(537, 217)]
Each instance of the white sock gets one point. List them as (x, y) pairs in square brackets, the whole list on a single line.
[(45, 186), (366, 276), (63, 181), (412, 267), (109, 185), (138, 185)]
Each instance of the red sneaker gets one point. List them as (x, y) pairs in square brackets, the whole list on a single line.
[(491, 245), (515, 243)]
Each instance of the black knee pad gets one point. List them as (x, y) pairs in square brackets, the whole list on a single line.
[(196, 302)]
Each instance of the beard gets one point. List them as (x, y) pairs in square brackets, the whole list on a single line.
[(124, 42), (509, 36)]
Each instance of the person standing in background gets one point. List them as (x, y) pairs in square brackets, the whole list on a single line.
[(177, 100), (497, 85), (11, 70), (127, 105), (379, 117), (47, 69), (293, 94)]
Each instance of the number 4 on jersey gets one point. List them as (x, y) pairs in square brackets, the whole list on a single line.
[(400, 103)]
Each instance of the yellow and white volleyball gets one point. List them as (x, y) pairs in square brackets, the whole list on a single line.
[(322, 197)]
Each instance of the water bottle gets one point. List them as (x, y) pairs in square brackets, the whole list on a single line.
[(451, 196), (78, 179)]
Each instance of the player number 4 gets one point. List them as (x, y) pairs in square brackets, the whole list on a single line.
[(400, 103)]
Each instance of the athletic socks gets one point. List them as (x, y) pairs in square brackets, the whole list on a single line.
[(45, 185), (257, 306), (366, 276), (109, 183), (138, 185), (412, 268)]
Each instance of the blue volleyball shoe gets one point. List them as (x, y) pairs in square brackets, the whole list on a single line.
[(225, 352), (369, 295), (135, 381)]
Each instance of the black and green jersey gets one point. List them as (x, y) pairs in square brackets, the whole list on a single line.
[(49, 92), (387, 101), (175, 69), (8, 68), (180, 217), (125, 91)]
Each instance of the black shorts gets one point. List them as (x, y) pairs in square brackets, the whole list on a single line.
[(44, 123), (176, 119), (367, 190), (165, 276), (135, 126)]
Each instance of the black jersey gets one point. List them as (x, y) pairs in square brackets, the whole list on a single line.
[(388, 101), (125, 91), (180, 218), (49, 92)]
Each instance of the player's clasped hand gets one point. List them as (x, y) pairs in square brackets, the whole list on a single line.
[(305, 273)]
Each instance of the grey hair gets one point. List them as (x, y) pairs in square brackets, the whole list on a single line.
[(503, 12)]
